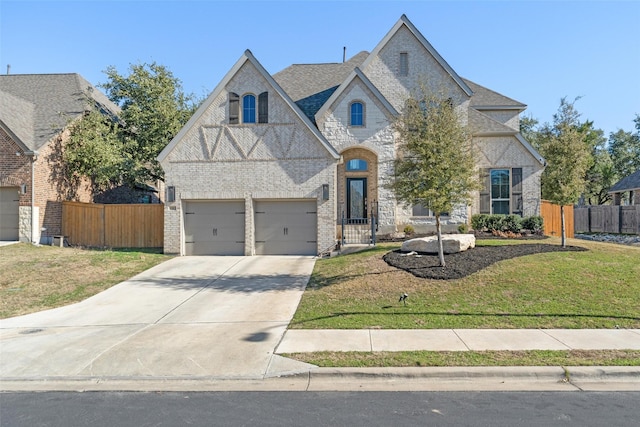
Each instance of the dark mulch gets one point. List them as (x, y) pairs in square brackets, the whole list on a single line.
[(468, 262)]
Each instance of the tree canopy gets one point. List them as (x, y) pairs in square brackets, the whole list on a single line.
[(435, 166), (154, 108)]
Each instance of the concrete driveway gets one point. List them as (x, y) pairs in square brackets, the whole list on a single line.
[(215, 317)]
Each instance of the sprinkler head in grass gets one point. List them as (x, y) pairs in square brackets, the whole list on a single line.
[(403, 298)]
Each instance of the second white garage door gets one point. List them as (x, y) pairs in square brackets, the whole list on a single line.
[(286, 227), (214, 228)]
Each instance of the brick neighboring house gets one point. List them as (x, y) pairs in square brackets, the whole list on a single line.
[(35, 110), (269, 164)]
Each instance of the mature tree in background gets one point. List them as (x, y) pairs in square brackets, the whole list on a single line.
[(624, 148), (435, 167), (600, 175), (154, 109), (123, 150), (529, 130), (568, 159)]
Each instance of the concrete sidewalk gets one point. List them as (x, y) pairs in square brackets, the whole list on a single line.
[(313, 340)]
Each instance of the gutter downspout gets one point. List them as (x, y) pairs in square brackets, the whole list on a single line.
[(34, 157)]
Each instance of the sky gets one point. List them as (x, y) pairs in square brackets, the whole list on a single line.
[(535, 52)]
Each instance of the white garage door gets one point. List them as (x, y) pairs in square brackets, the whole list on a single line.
[(214, 228), (286, 227), (9, 213)]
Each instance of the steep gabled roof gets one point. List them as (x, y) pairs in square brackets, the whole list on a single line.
[(488, 99), (404, 21), (246, 57), (483, 125), (50, 101), (357, 73), (628, 183)]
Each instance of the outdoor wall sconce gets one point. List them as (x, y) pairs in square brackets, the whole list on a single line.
[(23, 188), (171, 194), (325, 191)]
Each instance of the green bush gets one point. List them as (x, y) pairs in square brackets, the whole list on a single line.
[(463, 229), (494, 222), (533, 223), (479, 222), (512, 223), (408, 230)]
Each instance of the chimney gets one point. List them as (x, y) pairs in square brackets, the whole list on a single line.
[(344, 54)]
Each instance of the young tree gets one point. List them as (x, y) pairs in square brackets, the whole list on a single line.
[(568, 158), (435, 167)]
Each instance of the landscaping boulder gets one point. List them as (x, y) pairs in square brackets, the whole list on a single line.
[(451, 244)]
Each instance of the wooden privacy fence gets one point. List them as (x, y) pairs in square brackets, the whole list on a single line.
[(113, 226), (553, 221), (607, 219)]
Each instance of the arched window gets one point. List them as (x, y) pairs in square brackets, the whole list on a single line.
[(357, 114), (356, 165), (248, 109)]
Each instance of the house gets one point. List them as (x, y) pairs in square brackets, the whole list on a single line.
[(629, 184), (271, 164), (35, 113)]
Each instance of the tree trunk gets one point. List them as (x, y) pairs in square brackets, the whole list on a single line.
[(440, 249), (564, 232)]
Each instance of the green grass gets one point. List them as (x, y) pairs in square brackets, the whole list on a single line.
[(471, 358), (598, 288), (36, 278)]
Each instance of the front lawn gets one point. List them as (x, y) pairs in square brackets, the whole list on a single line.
[(597, 288)]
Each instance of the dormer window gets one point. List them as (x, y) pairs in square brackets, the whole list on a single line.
[(404, 64), (356, 116)]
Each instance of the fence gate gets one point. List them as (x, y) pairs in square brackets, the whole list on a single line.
[(360, 231)]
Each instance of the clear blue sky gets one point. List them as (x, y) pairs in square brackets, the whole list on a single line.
[(533, 51)]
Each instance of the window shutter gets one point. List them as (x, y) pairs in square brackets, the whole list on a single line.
[(516, 191), (234, 108), (404, 64), (485, 192), (263, 107)]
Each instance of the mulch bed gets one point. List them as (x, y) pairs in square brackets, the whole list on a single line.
[(468, 262)]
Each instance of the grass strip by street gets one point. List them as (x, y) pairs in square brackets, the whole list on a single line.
[(596, 288), (470, 358), (35, 278)]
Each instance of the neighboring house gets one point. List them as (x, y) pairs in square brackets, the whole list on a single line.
[(270, 164), (630, 185), (35, 111)]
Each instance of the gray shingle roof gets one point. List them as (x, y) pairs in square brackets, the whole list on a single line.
[(631, 182), (483, 97), (481, 123), (36, 107)]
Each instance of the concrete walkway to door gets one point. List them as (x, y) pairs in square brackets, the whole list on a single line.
[(215, 317)]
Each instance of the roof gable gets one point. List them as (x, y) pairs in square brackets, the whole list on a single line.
[(55, 100), (405, 22), (247, 57)]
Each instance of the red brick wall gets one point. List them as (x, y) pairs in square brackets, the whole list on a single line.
[(14, 170)]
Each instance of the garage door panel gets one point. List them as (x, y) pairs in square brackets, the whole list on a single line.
[(9, 213), (286, 227), (214, 228)]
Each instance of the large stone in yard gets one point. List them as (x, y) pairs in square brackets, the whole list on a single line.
[(451, 243)]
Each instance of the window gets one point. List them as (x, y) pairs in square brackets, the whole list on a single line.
[(263, 107), (502, 191), (357, 114), (404, 64), (248, 109), (234, 108), (356, 165), (420, 210)]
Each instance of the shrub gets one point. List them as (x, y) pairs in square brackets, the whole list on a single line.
[(512, 223), (533, 223), (479, 222), (494, 222), (408, 230), (463, 229)]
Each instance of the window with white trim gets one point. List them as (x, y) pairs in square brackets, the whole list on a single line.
[(502, 191)]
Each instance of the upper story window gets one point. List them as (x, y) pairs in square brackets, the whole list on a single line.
[(357, 165), (404, 64), (356, 116), (248, 109), (234, 108)]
